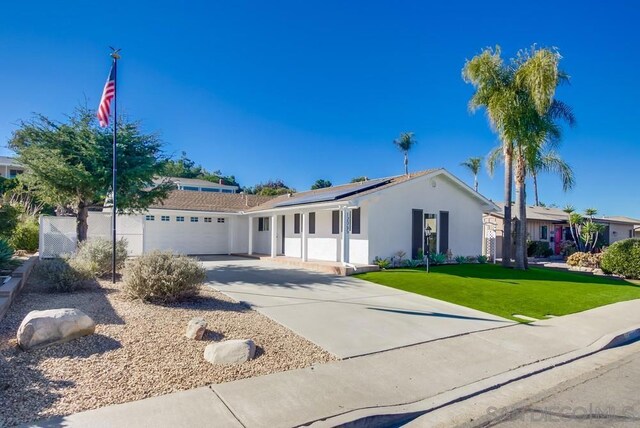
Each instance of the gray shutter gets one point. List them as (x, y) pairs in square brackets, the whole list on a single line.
[(296, 223), (443, 230), (417, 233), (312, 223), (355, 221), (335, 222)]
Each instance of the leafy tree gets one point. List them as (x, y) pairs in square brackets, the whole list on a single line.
[(404, 143), (359, 179), (270, 188), (473, 165), (69, 164), (184, 167), (321, 184)]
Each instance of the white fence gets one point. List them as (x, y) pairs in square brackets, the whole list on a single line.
[(58, 234)]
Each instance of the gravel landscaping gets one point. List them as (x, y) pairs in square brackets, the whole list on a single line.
[(138, 350)]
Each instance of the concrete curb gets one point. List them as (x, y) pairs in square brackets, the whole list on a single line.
[(397, 414)]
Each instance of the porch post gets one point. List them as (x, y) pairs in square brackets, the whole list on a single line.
[(346, 230), (274, 235), (303, 239), (250, 252)]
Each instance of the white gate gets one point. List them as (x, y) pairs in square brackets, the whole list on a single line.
[(58, 234)]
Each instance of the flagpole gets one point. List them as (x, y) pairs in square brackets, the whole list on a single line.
[(115, 57)]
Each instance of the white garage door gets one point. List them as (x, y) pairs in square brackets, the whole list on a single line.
[(187, 234)]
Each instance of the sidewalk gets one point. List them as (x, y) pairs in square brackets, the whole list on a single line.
[(409, 380)]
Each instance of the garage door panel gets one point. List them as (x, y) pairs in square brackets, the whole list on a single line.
[(187, 237)]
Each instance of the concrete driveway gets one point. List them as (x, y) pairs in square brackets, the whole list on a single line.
[(344, 315)]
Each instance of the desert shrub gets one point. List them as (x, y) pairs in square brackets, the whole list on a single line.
[(471, 259), (6, 253), (539, 249), (398, 258), (25, 237), (567, 248), (381, 263), (460, 259), (162, 276), (589, 260), (482, 259), (95, 255), (623, 258), (62, 275), (438, 258)]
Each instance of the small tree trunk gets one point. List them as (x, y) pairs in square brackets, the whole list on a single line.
[(521, 205), (535, 188), (508, 183), (81, 221), (406, 163), (475, 182)]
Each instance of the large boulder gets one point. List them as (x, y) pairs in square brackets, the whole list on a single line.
[(230, 351), (43, 328), (196, 328)]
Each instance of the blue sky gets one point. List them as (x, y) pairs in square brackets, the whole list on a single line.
[(307, 90)]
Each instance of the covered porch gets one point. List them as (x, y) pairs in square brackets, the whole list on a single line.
[(334, 268)]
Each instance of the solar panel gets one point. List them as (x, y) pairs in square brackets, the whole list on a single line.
[(332, 195)]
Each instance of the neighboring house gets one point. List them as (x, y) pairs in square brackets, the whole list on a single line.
[(198, 185), (351, 223), (9, 168), (551, 225), (637, 232)]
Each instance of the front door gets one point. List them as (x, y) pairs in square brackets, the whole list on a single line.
[(557, 238)]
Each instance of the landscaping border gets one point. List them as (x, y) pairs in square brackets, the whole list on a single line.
[(10, 289)]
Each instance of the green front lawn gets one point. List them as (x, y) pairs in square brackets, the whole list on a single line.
[(490, 288)]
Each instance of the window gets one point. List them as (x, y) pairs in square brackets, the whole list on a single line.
[(207, 219), (296, 223), (263, 224), (13, 173), (335, 222), (544, 232), (220, 219), (180, 218), (209, 189), (227, 191), (355, 221), (190, 188), (312, 223), (194, 219), (165, 218), (150, 217)]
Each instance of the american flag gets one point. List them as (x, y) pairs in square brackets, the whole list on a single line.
[(109, 92)]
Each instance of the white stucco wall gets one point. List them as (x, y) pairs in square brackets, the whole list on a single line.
[(390, 217), (261, 240), (622, 231)]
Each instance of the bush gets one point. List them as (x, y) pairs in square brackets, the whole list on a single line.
[(413, 263), (460, 259), (438, 258), (6, 253), (95, 255), (26, 237), (381, 263), (63, 275), (539, 249), (162, 276), (482, 259), (9, 218), (471, 259), (623, 258), (588, 260)]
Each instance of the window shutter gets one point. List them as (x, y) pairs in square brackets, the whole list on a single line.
[(312, 223), (335, 222), (296, 223), (444, 231), (355, 221)]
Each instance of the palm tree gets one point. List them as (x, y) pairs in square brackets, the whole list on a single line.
[(473, 164), (550, 161), (519, 100), (405, 143), (492, 80)]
